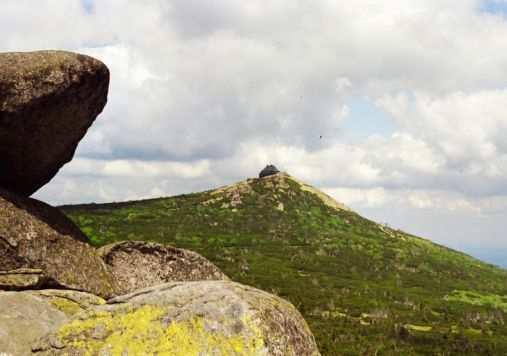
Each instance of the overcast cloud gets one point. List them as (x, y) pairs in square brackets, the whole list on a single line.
[(204, 93)]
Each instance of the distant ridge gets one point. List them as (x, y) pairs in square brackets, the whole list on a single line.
[(361, 286)]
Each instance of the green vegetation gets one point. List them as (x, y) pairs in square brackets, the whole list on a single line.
[(471, 297), (364, 288)]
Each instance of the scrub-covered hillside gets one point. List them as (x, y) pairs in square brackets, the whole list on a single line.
[(363, 287)]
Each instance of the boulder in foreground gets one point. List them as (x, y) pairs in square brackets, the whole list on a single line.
[(48, 100), (136, 265), (186, 318), (28, 316), (41, 248)]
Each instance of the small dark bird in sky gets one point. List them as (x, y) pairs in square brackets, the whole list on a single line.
[(321, 137)]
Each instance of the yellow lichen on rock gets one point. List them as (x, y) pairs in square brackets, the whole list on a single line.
[(115, 332), (66, 306), (142, 332), (193, 338), (185, 319)]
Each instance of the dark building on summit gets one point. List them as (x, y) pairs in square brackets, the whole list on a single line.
[(269, 170)]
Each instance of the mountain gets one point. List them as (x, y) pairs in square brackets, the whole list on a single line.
[(364, 288)]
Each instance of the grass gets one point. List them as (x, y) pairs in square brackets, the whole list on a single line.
[(363, 287)]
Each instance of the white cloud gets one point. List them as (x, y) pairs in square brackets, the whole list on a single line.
[(205, 93), (464, 130), (372, 197), (135, 168)]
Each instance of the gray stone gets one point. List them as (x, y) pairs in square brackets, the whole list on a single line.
[(137, 265), (187, 318), (23, 278), (48, 100), (26, 317), (34, 235)]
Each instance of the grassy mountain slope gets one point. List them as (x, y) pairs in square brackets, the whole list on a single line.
[(363, 287)]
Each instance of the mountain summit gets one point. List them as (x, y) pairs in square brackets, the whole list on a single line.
[(268, 171), (363, 287)]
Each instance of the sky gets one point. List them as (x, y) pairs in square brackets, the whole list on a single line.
[(409, 96)]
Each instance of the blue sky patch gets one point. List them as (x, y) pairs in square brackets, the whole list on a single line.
[(366, 119), (498, 7), (88, 5)]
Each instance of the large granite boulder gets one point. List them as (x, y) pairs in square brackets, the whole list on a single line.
[(28, 316), (48, 100), (41, 248), (137, 265), (186, 318)]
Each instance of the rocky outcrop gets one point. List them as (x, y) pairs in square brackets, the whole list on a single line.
[(269, 170), (187, 318), (48, 99), (28, 316), (137, 265), (38, 237), (47, 102), (22, 278)]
